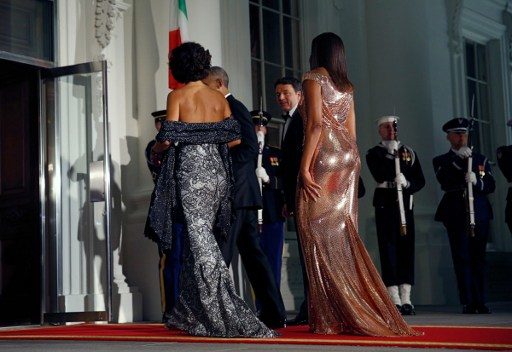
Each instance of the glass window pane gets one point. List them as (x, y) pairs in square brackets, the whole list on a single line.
[(26, 28), (481, 62), (256, 83), (271, 37), (474, 137), (483, 102), (291, 7), (472, 99), (272, 73), (254, 20), (486, 148), (470, 60), (291, 42), (273, 4)]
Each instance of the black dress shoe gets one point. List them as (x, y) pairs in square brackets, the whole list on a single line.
[(298, 320), (399, 307), (165, 317), (407, 309), (275, 324), (483, 309), (468, 309)]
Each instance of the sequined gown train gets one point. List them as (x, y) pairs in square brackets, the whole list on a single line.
[(208, 304), (346, 293)]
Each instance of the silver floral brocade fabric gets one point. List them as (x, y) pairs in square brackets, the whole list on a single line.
[(208, 304)]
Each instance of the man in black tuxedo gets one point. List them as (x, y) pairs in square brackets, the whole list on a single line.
[(504, 157), (288, 95), (247, 200)]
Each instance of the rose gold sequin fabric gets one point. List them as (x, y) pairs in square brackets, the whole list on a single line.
[(346, 293)]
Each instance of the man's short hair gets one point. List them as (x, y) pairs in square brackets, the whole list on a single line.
[(294, 82), (219, 72)]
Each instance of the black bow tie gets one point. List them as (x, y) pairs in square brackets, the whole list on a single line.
[(286, 116)]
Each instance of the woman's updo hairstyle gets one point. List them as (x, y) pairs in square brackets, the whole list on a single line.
[(189, 62)]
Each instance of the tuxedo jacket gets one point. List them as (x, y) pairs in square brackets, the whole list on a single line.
[(244, 157), (291, 148)]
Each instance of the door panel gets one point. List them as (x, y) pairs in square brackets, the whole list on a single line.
[(78, 228), (19, 196)]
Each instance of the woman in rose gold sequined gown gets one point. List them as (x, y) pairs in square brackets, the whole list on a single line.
[(346, 293)]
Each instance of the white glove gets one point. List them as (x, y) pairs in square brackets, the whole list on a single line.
[(401, 180), (392, 146), (261, 173), (464, 152), (470, 177)]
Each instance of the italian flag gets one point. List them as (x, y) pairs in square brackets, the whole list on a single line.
[(178, 31)]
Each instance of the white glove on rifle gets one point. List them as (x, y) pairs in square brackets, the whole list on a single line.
[(401, 180), (261, 173), (464, 152), (392, 146), (470, 177)]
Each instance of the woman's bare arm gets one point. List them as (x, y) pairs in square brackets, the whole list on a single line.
[(313, 101), (173, 114), (351, 121)]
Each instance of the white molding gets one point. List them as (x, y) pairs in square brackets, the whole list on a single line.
[(479, 28), (236, 51)]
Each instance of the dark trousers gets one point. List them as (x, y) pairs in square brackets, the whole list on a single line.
[(508, 213), (396, 251), (468, 254), (244, 233), (271, 242), (303, 309), (169, 268)]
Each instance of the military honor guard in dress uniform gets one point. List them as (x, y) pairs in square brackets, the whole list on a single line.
[(462, 173), (504, 157), (397, 171), (270, 172), (169, 265)]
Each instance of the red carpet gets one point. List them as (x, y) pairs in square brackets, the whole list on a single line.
[(483, 338)]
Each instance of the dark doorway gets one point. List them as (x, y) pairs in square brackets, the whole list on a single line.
[(20, 240)]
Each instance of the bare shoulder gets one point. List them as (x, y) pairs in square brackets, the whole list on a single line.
[(320, 70)]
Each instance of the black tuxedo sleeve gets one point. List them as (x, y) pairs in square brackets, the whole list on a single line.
[(248, 148)]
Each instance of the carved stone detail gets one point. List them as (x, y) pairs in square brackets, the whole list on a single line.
[(106, 13)]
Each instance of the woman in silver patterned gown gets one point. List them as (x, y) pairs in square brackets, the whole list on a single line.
[(195, 184)]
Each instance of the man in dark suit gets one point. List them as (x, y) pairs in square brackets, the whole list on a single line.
[(468, 249), (396, 250), (288, 92), (504, 156), (247, 199)]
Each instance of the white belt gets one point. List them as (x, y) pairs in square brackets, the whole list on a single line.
[(386, 184)]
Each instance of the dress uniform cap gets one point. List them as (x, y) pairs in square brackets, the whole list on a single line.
[(260, 117), (385, 119), (160, 114), (458, 125)]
